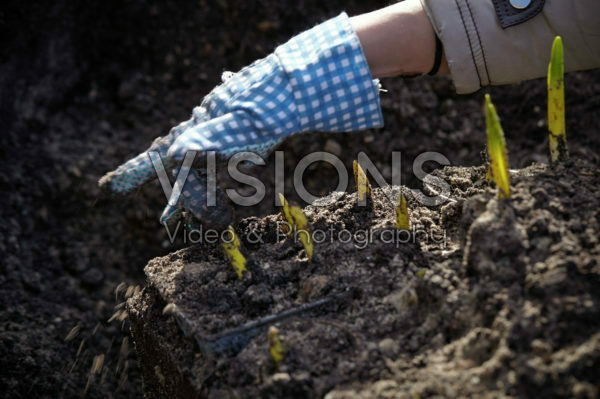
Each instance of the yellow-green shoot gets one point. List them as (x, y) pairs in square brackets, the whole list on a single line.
[(402, 218), (556, 104), (497, 149), (275, 346), (299, 224), (233, 252), (363, 187)]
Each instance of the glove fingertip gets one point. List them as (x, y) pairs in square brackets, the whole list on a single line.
[(112, 184)]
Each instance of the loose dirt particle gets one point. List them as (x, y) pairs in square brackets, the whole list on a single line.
[(73, 333)]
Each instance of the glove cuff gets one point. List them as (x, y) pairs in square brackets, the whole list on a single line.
[(331, 82)]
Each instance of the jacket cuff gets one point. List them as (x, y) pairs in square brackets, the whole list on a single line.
[(458, 29), (487, 44)]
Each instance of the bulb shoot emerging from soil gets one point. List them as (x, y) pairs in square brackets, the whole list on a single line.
[(233, 252), (556, 104), (298, 225), (363, 187), (402, 218), (497, 149), (284, 215), (275, 346)]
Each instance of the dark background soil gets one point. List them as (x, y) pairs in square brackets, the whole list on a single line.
[(85, 86)]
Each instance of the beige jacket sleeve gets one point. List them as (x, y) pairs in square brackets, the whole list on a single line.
[(481, 52)]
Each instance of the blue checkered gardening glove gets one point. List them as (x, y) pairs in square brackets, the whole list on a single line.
[(317, 81)]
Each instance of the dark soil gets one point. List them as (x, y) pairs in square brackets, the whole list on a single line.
[(491, 298), (85, 86)]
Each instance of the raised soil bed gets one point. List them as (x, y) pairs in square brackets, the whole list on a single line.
[(488, 298)]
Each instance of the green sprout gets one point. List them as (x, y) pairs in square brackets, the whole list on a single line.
[(497, 149), (298, 223), (275, 346), (363, 187), (556, 104), (233, 252), (402, 218)]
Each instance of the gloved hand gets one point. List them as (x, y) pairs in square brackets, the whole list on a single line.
[(317, 81)]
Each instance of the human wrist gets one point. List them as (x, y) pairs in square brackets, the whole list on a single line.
[(398, 40)]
